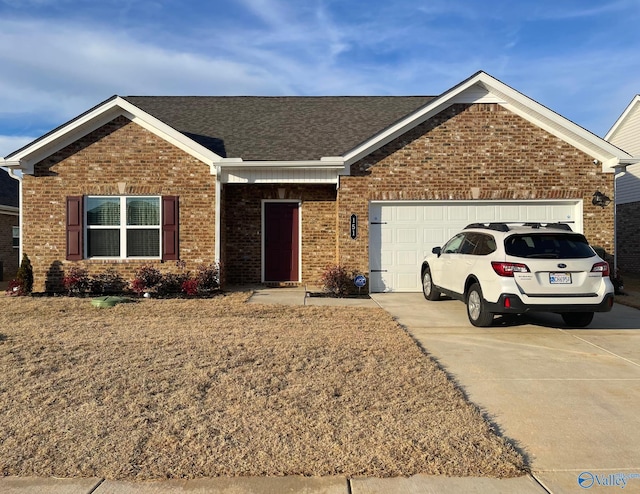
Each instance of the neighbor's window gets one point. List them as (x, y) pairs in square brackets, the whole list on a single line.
[(16, 236), (123, 227)]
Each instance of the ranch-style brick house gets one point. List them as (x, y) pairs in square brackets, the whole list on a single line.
[(277, 188)]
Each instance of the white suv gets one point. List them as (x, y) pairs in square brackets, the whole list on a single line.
[(502, 268)]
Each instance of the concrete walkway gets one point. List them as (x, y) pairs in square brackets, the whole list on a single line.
[(567, 398)]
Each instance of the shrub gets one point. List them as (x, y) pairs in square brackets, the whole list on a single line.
[(190, 287), (107, 283), (15, 289), (23, 283), (76, 282), (172, 283), (146, 279), (208, 278), (338, 280)]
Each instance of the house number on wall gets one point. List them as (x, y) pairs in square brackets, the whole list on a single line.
[(354, 226)]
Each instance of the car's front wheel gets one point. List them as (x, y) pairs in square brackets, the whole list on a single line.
[(428, 289), (577, 319), (476, 308)]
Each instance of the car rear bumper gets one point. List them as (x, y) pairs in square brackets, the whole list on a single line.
[(509, 303)]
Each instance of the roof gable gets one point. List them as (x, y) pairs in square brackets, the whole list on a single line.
[(626, 130), (483, 88)]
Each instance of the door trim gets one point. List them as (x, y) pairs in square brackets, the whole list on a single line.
[(262, 237)]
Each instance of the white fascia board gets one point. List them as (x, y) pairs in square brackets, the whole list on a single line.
[(98, 117), (515, 101), (635, 101)]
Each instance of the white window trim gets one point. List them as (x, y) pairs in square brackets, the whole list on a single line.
[(123, 227)]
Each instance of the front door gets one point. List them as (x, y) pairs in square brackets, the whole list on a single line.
[(281, 241)]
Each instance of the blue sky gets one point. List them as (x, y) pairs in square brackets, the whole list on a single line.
[(58, 58)]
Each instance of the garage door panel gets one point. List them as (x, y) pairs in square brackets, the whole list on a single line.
[(410, 230)]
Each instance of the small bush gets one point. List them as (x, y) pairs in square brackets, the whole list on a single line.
[(208, 278), (25, 275), (15, 289), (146, 279), (172, 283), (338, 280), (108, 283), (77, 282), (190, 287)]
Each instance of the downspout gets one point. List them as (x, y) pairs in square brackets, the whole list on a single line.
[(12, 174), (218, 212)]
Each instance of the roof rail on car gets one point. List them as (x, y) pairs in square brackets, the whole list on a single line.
[(500, 227), (504, 226)]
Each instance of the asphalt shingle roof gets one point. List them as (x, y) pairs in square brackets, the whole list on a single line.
[(279, 128), (8, 190)]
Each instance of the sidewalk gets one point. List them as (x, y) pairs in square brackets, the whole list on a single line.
[(275, 485)]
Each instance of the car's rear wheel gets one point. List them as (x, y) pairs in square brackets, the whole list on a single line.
[(577, 319), (428, 289), (476, 308)]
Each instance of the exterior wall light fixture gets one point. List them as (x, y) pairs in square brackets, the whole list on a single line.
[(599, 199)]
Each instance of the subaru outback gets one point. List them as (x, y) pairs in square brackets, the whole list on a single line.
[(503, 268)]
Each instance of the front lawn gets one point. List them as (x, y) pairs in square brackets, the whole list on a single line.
[(200, 388)]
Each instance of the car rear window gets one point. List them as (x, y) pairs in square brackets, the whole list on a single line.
[(548, 246)]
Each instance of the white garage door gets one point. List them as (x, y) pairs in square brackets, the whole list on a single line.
[(401, 234)]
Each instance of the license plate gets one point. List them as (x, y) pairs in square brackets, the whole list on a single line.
[(560, 278)]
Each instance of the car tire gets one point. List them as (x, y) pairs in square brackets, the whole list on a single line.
[(476, 308), (577, 319), (428, 288)]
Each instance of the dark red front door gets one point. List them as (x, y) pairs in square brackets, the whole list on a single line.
[(281, 241)]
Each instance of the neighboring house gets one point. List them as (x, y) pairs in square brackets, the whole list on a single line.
[(625, 134), (9, 226), (277, 188)]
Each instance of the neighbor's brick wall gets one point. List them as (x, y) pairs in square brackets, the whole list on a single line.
[(120, 151), (8, 254), (465, 146), (628, 217), (242, 232)]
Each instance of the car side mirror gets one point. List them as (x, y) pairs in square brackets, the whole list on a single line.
[(437, 251)]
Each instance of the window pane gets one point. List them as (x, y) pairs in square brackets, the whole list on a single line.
[(103, 243), (16, 236), (143, 211), (103, 211), (143, 243)]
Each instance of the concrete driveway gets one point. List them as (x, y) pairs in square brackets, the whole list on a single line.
[(569, 399)]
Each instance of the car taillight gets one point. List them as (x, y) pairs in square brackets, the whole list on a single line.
[(508, 268), (601, 267)]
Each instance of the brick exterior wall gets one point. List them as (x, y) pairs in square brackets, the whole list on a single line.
[(465, 146), (8, 253), (120, 152), (242, 232), (628, 217)]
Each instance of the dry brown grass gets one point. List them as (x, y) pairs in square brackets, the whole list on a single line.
[(201, 388)]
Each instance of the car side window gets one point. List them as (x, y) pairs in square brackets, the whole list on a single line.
[(469, 243), (453, 245), (485, 245)]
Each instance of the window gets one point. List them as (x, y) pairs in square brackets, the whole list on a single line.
[(16, 236), (123, 227)]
